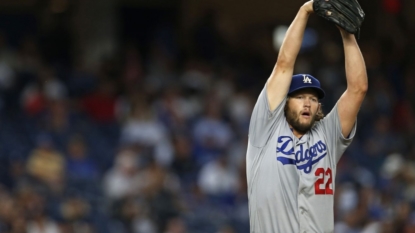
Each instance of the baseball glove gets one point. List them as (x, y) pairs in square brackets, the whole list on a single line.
[(346, 14)]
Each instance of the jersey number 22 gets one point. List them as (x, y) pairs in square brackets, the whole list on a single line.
[(321, 188)]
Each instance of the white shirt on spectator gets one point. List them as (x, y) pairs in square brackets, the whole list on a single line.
[(48, 227), (216, 179)]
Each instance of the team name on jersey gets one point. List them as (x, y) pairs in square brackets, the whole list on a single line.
[(303, 158)]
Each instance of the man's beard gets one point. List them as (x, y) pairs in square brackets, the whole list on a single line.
[(294, 120)]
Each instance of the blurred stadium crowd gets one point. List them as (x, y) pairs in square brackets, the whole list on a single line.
[(156, 142)]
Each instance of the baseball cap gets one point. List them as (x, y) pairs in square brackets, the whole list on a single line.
[(301, 81)]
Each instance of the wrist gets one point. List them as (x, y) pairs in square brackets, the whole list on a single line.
[(348, 39), (305, 11), (307, 7), (346, 35)]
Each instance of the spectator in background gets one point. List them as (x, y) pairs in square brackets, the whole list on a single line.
[(8, 210), (101, 104), (78, 164), (196, 79), (183, 163), (143, 129), (57, 120), (211, 133), (380, 142), (384, 96), (18, 225), (410, 225), (239, 107), (134, 213), (176, 225), (33, 100), (46, 164), (75, 212), (38, 92), (174, 111), (38, 219), (124, 178), (226, 229), (53, 88), (219, 179), (161, 192)]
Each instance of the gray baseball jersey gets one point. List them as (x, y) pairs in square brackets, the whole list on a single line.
[(290, 179)]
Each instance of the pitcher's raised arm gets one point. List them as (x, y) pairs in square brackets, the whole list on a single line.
[(357, 84), (280, 79)]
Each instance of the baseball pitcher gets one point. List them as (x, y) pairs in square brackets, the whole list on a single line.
[(293, 148)]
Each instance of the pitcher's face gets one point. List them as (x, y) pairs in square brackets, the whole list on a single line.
[(301, 109)]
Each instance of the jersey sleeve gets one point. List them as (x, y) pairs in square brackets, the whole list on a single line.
[(331, 127), (263, 120)]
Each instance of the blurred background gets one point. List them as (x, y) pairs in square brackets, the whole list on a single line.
[(131, 116)]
